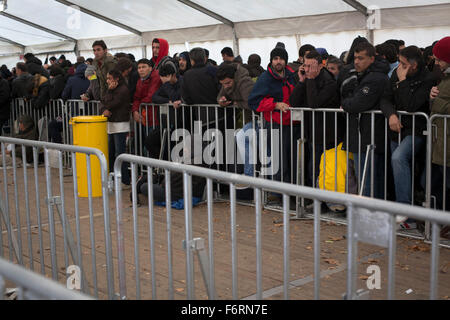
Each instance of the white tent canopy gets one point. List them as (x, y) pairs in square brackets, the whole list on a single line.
[(250, 26)]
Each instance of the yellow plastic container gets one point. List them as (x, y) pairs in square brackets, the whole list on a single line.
[(90, 131)]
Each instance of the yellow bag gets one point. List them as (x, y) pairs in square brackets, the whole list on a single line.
[(341, 172)]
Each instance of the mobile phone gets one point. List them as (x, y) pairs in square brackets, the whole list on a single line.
[(302, 72)]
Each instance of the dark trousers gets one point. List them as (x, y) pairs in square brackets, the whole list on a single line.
[(159, 193), (55, 128), (117, 146), (284, 163)]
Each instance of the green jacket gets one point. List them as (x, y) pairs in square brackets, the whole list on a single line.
[(441, 105), (102, 69), (239, 93)]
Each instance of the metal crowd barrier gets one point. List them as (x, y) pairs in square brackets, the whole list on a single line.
[(56, 110), (41, 117), (166, 116), (32, 286), (166, 121), (362, 215), (54, 238)]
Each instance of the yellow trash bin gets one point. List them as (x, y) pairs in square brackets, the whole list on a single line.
[(90, 131)]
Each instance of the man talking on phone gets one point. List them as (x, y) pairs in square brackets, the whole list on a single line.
[(317, 89)]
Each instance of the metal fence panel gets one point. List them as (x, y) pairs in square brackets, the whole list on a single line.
[(59, 246)]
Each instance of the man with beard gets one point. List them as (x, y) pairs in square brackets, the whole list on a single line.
[(270, 96)]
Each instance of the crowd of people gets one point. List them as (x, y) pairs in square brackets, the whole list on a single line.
[(390, 77)]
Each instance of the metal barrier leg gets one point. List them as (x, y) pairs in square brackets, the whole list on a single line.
[(198, 245), (56, 201), (366, 163), (14, 242)]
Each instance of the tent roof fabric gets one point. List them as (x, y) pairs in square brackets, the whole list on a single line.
[(150, 16)]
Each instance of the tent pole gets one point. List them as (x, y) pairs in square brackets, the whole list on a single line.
[(235, 43)]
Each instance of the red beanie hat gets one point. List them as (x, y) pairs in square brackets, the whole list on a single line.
[(441, 49)]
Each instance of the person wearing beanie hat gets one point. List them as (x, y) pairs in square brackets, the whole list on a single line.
[(440, 104), (270, 95), (57, 81), (279, 52), (93, 92), (441, 52)]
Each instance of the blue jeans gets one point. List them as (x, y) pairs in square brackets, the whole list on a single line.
[(378, 181), (245, 147), (117, 146), (401, 166)]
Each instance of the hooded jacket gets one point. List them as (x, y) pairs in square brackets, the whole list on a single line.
[(76, 85), (145, 89), (363, 92), (411, 95), (320, 93), (102, 68), (269, 89)]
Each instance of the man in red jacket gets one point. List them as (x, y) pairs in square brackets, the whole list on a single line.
[(149, 83)]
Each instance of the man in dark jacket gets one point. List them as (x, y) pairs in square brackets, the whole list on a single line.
[(317, 89), (57, 82), (22, 84), (361, 91), (408, 90), (200, 86), (77, 84), (270, 95), (5, 105)]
